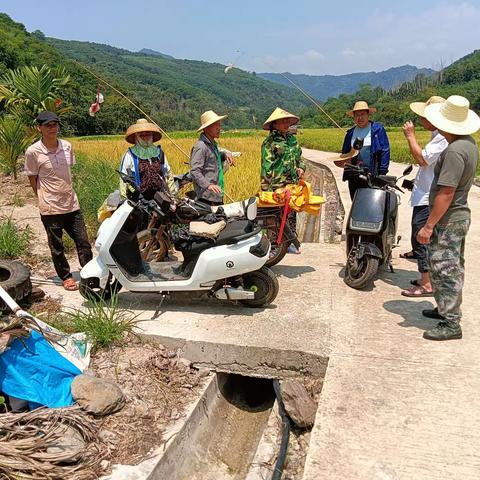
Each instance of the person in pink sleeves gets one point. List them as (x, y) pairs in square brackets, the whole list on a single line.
[(48, 166)]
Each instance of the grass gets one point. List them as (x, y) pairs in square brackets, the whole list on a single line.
[(104, 323), (14, 242)]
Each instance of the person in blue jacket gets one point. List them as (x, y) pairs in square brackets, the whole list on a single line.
[(375, 152)]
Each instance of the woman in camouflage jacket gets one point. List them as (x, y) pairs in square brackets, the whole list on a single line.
[(281, 155)]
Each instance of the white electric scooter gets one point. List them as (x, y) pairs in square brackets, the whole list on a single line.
[(231, 267)]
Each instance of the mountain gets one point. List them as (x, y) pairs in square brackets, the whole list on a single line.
[(173, 92), (325, 86), (154, 53)]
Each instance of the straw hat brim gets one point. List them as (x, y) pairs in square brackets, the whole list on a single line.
[(340, 159), (433, 113), (143, 127), (418, 108), (293, 121), (370, 111), (211, 121)]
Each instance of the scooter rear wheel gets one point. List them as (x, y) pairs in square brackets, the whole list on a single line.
[(264, 284), (359, 273), (277, 251)]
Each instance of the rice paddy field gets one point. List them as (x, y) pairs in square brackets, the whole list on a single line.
[(98, 158)]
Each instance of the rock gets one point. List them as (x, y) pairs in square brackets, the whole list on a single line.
[(183, 362), (203, 372), (96, 395), (70, 443), (106, 436), (299, 405), (104, 464)]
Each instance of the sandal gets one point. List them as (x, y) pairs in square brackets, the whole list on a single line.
[(70, 284), (415, 291), (408, 255)]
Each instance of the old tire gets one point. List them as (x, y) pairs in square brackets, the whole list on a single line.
[(265, 285), (277, 252), (361, 274), (15, 279), (90, 289)]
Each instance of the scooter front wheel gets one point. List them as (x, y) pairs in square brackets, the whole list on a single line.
[(359, 272), (90, 289), (264, 284)]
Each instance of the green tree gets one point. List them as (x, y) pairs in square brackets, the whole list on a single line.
[(29, 90), (15, 138)]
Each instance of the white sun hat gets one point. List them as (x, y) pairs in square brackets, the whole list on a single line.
[(209, 118), (419, 107), (453, 116)]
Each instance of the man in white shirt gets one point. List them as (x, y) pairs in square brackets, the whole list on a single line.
[(426, 158)]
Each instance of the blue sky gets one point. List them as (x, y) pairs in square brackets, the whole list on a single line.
[(300, 36)]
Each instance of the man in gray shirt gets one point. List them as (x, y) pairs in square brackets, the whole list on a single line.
[(449, 219), (208, 163)]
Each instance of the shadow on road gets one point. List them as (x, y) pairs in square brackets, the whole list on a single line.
[(292, 271), (411, 311)]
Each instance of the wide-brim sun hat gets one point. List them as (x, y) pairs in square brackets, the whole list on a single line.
[(209, 118), (142, 125), (453, 116), (419, 107), (340, 159), (278, 114), (361, 105)]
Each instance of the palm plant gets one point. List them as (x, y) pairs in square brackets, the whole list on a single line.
[(15, 138), (30, 90)]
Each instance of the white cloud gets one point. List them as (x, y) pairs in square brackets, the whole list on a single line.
[(426, 38)]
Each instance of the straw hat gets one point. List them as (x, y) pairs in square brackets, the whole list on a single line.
[(361, 105), (278, 114), (142, 125), (209, 118), (341, 159), (453, 116), (419, 107)]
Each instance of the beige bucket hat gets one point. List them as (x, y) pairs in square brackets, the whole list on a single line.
[(453, 116), (142, 125), (341, 159), (278, 114), (419, 107), (361, 105), (209, 118)]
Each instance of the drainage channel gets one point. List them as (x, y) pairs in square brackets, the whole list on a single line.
[(233, 433)]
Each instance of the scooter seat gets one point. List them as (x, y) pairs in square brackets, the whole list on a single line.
[(235, 232)]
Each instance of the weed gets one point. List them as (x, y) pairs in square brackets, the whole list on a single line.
[(18, 201), (105, 324), (13, 241)]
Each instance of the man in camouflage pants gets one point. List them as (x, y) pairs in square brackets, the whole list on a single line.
[(449, 219)]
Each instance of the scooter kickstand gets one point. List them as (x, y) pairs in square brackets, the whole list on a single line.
[(158, 310)]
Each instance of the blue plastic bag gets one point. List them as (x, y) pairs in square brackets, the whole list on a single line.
[(31, 369)]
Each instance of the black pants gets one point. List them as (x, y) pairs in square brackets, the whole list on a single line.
[(419, 219), (354, 184), (74, 226)]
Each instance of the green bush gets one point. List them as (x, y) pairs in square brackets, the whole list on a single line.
[(13, 241), (105, 323)]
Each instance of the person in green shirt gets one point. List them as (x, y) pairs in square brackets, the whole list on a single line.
[(281, 157), (447, 224)]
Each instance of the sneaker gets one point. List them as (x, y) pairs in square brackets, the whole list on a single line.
[(293, 249), (444, 331), (432, 313)]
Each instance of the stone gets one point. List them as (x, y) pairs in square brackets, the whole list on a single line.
[(69, 443), (299, 405), (96, 395)]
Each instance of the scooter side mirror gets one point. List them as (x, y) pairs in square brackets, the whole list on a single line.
[(408, 170)]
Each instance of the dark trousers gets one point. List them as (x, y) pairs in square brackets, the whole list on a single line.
[(354, 184), (74, 226), (419, 219)]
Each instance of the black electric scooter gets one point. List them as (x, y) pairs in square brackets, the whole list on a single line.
[(371, 225)]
